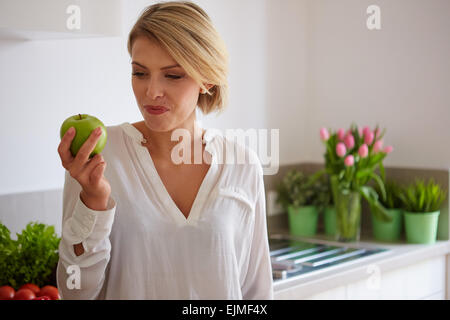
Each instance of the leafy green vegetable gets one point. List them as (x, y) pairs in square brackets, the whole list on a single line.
[(31, 258), (423, 197)]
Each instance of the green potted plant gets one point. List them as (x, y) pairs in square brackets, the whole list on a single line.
[(325, 204), (296, 193), (422, 202), (389, 231), (351, 160)]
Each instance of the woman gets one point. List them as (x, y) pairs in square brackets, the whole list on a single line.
[(148, 226)]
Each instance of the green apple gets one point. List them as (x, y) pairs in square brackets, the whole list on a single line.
[(84, 124)]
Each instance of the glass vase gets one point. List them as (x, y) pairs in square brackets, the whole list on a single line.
[(348, 215)]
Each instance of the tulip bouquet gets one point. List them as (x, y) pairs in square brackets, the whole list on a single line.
[(351, 160)]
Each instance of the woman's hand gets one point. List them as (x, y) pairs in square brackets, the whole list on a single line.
[(88, 172)]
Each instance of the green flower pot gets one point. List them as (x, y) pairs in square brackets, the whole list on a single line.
[(388, 231), (303, 220), (421, 227), (330, 221)]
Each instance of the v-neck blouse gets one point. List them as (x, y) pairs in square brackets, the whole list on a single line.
[(143, 247)]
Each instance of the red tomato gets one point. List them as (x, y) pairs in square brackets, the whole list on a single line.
[(42, 298), (32, 287), (50, 291), (24, 294), (7, 293)]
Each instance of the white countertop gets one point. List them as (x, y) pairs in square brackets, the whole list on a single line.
[(400, 254)]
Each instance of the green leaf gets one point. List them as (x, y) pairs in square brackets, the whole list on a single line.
[(382, 171), (421, 200), (362, 174), (377, 208), (380, 184)]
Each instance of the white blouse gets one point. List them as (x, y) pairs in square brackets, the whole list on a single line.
[(143, 247)]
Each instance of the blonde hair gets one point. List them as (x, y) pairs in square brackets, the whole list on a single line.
[(187, 33)]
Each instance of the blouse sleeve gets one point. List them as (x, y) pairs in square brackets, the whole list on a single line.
[(91, 228), (258, 283)]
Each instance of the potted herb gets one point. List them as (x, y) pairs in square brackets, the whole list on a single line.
[(422, 202), (296, 193), (325, 204), (389, 231), (351, 159)]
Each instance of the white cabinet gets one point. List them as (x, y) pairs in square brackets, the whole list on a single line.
[(53, 19), (339, 293), (423, 280)]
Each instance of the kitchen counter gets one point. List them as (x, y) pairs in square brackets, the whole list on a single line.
[(407, 271), (400, 255)]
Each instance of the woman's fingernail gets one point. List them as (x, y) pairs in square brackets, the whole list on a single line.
[(71, 130)]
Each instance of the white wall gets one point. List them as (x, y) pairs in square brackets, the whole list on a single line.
[(398, 77), (287, 74), (44, 82)]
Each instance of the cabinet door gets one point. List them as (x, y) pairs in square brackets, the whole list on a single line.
[(416, 281), (423, 280)]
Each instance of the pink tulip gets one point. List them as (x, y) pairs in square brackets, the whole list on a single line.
[(340, 149), (324, 134), (388, 149), (360, 131), (378, 146), (363, 151), (349, 160), (366, 130), (377, 133), (341, 134), (349, 141), (368, 137)]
